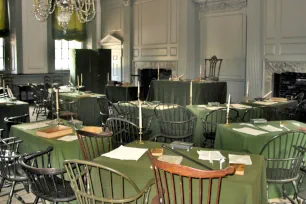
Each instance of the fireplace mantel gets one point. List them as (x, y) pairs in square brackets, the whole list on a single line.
[(279, 67)]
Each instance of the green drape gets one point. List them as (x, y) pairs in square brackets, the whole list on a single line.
[(4, 20), (75, 31)]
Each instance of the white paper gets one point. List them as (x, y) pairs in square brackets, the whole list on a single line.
[(250, 131), (240, 106), (270, 128), (170, 159), (282, 126), (296, 124), (266, 103), (211, 107), (126, 153), (32, 126), (68, 138), (210, 155), (239, 159)]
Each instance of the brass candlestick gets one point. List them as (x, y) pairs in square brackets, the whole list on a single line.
[(190, 100), (140, 141), (227, 119)]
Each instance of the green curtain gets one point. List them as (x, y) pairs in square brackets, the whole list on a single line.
[(4, 25), (76, 30)]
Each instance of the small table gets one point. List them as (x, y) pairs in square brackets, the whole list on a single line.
[(178, 92), (10, 109), (231, 140), (120, 93), (250, 188), (88, 107)]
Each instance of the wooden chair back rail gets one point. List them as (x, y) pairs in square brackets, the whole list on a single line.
[(165, 179), (46, 182), (172, 112), (283, 158), (123, 130), (86, 181), (93, 145)]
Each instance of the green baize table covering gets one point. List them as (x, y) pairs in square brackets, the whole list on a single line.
[(235, 189), (120, 93), (178, 92), (231, 140), (89, 111)]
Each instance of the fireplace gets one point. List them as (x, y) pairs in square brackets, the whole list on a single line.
[(284, 78)]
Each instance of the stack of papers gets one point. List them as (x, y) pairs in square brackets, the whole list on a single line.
[(250, 131), (240, 106), (266, 103), (68, 138), (210, 107), (32, 126), (170, 159), (239, 159), (270, 128), (210, 155), (126, 153)]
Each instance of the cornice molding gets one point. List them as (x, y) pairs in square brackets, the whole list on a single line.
[(221, 5)]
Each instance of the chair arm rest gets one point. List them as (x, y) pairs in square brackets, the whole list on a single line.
[(301, 149)]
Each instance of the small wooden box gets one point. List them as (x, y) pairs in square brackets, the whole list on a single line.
[(239, 169), (54, 132), (93, 129)]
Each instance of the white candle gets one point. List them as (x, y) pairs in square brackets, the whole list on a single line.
[(191, 93), (81, 79), (78, 80), (138, 90), (158, 71), (57, 101), (200, 71), (12, 95), (140, 115), (3, 84), (107, 78), (8, 92), (229, 103), (247, 88)]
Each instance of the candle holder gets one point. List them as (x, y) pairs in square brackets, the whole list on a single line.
[(247, 98), (227, 119), (140, 141)]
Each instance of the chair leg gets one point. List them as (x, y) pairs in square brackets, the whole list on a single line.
[(36, 200), (295, 189), (1, 183), (11, 193)]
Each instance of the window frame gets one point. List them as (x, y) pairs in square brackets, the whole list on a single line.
[(67, 46)]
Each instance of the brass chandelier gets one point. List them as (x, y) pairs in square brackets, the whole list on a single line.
[(85, 10)]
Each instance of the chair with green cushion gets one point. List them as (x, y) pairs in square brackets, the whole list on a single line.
[(95, 183), (284, 155), (212, 119)]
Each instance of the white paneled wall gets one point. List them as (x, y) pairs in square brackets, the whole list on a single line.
[(34, 42), (155, 25), (284, 30), (224, 34)]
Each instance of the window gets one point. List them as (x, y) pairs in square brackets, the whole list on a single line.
[(62, 53), (1, 54)]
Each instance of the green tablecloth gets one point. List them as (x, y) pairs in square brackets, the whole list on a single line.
[(249, 188), (231, 140), (178, 92), (31, 143), (200, 113), (89, 111), (119, 93), (281, 106), (13, 109)]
